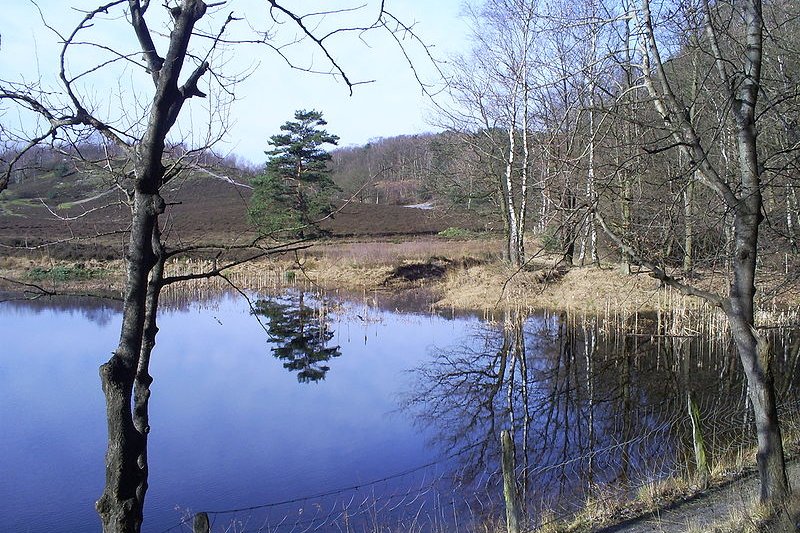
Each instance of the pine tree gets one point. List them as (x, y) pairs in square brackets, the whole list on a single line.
[(294, 192), (300, 336)]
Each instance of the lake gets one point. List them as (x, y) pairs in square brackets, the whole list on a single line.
[(329, 414)]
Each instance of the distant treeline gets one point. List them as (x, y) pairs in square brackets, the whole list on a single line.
[(413, 169), (393, 170), (63, 159)]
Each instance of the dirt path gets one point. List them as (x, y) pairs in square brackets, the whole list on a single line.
[(92, 198), (703, 511)]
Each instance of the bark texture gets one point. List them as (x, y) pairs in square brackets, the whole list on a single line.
[(125, 377)]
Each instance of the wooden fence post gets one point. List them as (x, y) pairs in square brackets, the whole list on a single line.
[(200, 524), (510, 483), (700, 460)]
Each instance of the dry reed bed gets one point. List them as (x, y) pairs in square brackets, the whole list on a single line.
[(486, 284), (634, 304)]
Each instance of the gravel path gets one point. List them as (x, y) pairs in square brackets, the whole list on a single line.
[(699, 513)]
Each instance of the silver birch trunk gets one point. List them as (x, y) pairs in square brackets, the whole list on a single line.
[(745, 203), (512, 238)]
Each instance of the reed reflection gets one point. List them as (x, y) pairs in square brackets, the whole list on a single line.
[(589, 403)]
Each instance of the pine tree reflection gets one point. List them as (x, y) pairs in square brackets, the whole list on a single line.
[(300, 334)]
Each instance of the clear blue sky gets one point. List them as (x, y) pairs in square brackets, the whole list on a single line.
[(393, 104)]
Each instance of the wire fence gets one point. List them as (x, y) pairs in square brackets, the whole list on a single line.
[(447, 495), (585, 448)]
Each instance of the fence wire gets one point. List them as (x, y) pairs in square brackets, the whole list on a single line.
[(445, 495)]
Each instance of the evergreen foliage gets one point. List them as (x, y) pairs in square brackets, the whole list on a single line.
[(301, 336), (294, 192)]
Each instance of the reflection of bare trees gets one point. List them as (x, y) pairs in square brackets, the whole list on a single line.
[(587, 406)]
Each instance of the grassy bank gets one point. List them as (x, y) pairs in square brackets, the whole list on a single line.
[(728, 502), (461, 275)]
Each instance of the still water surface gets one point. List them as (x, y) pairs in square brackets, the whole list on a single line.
[(282, 412), (231, 427)]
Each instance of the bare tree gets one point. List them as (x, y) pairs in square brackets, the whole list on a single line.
[(491, 90), (175, 64), (733, 42), (529, 90)]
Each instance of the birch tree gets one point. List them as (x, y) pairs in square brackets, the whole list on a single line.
[(733, 38), (491, 89)]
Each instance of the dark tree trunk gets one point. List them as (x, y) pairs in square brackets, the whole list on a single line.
[(122, 503), (754, 352), (125, 377), (755, 357), (569, 203)]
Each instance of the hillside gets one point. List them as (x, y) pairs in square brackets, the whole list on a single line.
[(80, 215)]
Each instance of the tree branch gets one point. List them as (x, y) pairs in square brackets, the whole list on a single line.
[(217, 271), (153, 60), (657, 271), (317, 40)]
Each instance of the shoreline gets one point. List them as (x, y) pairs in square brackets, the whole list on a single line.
[(458, 282)]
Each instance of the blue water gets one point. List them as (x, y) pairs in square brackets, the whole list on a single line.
[(371, 444), (230, 426)]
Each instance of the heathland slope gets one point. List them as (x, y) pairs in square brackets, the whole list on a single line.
[(82, 217)]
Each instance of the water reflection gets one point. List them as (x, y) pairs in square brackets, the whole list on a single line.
[(265, 440), (300, 333), (589, 406), (99, 311)]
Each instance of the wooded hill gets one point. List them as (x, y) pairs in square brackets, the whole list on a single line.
[(71, 206)]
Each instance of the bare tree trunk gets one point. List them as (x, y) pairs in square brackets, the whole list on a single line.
[(141, 385), (753, 351), (589, 240), (792, 209), (630, 135), (591, 227), (122, 502), (568, 226), (523, 185), (755, 356), (627, 219), (688, 193), (591, 195), (125, 377), (512, 238), (543, 198), (688, 220)]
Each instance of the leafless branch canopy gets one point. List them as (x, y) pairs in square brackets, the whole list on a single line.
[(52, 113)]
